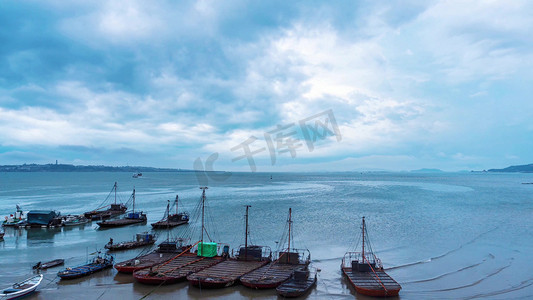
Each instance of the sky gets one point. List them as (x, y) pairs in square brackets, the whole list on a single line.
[(267, 86)]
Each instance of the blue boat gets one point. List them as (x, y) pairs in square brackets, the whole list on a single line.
[(99, 263)]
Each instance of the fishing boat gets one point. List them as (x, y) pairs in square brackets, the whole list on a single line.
[(137, 175), (16, 219), (280, 270), (130, 219), (164, 252), (75, 220), (99, 263), (229, 271), (172, 220), (299, 284), (48, 264), (21, 289), (365, 272), (115, 209), (141, 240), (185, 263)]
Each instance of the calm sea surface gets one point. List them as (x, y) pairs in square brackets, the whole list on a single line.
[(441, 236)]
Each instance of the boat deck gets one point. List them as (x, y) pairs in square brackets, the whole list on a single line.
[(175, 270), (269, 276), (367, 283), (120, 222), (145, 261), (224, 274)]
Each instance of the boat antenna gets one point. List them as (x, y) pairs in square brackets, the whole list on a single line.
[(115, 192), (289, 244), (246, 234), (363, 253), (203, 212)]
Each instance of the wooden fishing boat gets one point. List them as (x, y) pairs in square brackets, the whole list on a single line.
[(275, 273), (299, 284), (229, 271), (165, 251), (172, 220), (130, 219), (99, 263), (179, 267), (365, 272), (114, 209), (48, 264), (21, 289), (141, 240)]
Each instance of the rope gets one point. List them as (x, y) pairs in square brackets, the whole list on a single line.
[(379, 280)]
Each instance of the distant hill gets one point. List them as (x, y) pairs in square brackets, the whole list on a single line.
[(515, 169), (427, 171), (73, 168)]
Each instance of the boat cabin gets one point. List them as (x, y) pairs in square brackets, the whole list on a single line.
[(292, 258), (254, 253), (359, 266), (42, 217)]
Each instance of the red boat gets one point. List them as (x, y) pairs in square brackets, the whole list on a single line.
[(365, 272), (166, 251), (275, 273)]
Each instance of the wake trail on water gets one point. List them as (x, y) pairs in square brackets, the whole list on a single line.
[(524, 284), (473, 283), (444, 254), (451, 273)]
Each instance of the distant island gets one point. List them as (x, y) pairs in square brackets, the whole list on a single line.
[(72, 168), (515, 169)]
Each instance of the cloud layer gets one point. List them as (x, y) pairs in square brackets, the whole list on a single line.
[(442, 84)]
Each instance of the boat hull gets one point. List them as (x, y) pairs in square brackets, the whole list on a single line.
[(119, 223), (164, 225), (22, 289), (363, 284)]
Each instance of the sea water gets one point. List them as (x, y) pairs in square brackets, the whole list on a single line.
[(440, 235)]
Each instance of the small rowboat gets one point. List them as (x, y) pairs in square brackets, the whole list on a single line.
[(49, 264), (22, 288), (99, 263), (298, 285)]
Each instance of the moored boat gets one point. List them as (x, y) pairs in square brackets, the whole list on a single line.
[(115, 209), (99, 263), (172, 220), (299, 284), (275, 273), (229, 271), (365, 271), (48, 264), (75, 220), (164, 252), (16, 219), (43, 218), (130, 219), (185, 263), (141, 240), (21, 289)]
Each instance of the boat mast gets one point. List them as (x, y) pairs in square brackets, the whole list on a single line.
[(289, 244), (246, 234), (168, 224), (203, 211), (115, 192), (177, 197), (133, 200), (363, 239)]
